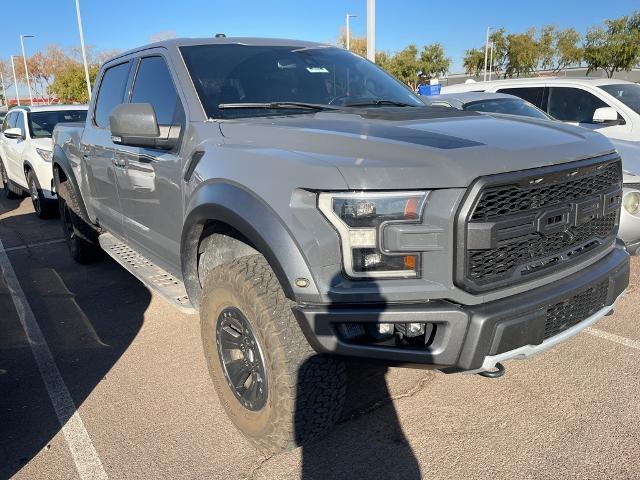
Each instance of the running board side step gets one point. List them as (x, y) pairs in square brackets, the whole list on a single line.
[(153, 277)]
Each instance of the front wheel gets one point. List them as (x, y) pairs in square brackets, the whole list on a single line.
[(273, 386), (43, 207)]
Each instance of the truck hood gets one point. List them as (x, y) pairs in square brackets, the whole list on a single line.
[(394, 148)]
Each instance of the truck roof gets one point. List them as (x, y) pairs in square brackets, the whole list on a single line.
[(51, 108), (257, 41)]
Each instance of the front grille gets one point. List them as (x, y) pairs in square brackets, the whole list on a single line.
[(520, 225), (570, 312)]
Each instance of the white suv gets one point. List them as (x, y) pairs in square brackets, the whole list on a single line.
[(26, 150), (610, 106)]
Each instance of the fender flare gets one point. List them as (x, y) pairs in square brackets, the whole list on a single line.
[(242, 210), (61, 161)]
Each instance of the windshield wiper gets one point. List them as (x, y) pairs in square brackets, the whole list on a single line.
[(378, 102), (278, 106)]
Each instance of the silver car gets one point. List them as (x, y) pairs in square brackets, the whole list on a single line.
[(511, 105)]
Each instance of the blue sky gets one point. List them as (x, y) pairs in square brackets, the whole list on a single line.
[(457, 24)]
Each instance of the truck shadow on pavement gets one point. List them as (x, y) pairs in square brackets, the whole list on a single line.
[(89, 316), (368, 441)]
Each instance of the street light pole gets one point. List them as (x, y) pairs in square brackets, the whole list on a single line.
[(486, 52), (349, 16), (15, 81), (371, 30), (26, 70), (84, 52), (490, 61)]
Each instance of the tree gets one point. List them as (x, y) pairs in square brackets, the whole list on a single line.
[(546, 47), (357, 45), (522, 53), (70, 84), (500, 44), (567, 49), (404, 65), (433, 61), (615, 47), (473, 61)]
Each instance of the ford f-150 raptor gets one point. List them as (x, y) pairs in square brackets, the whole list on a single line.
[(311, 208)]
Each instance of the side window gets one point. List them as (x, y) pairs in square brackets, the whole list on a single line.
[(534, 95), (111, 93), (19, 121), (153, 85), (573, 105)]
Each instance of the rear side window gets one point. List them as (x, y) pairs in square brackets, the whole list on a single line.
[(111, 93), (533, 95), (573, 104), (154, 85)]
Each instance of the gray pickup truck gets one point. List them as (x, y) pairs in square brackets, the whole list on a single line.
[(311, 208)]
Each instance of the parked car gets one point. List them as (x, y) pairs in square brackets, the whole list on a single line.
[(311, 208), (608, 105), (26, 149), (503, 103)]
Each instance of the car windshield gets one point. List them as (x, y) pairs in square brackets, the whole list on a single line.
[(511, 106), (41, 124), (231, 74), (627, 93)]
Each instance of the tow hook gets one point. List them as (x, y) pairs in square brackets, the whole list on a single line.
[(497, 373)]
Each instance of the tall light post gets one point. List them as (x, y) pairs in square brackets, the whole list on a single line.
[(15, 81), (490, 61), (84, 52), (348, 17), (371, 30), (486, 53), (26, 70)]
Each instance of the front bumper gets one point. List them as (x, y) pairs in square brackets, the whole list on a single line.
[(470, 338)]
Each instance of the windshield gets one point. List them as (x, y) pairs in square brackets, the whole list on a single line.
[(41, 124), (230, 74), (627, 93), (511, 106)]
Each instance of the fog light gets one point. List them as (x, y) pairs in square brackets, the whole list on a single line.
[(385, 328), (415, 329), (631, 202)]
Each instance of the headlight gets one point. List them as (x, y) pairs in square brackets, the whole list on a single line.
[(631, 202), (44, 154), (358, 216)]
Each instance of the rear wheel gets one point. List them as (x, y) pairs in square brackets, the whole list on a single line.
[(81, 238), (277, 391), (9, 190), (43, 207)]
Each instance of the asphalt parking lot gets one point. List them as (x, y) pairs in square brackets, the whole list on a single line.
[(141, 404)]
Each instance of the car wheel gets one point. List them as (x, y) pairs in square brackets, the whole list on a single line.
[(7, 188), (277, 391), (81, 238), (43, 207)]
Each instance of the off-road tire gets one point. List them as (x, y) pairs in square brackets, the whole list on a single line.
[(9, 190), (44, 207), (305, 391), (81, 238)]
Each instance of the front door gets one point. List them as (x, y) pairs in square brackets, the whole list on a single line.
[(151, 191), (14, 149)]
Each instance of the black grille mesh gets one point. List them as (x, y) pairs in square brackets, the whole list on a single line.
[(570, 312), (508, 199), (512, 260)]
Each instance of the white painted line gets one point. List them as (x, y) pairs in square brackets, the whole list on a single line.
[(84, 454), (627, 342), (31, 245)]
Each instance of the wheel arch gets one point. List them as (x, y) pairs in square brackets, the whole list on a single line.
[(246, 225), (62, 171)]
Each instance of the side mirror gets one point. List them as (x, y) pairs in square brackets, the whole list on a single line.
[(13, 133), (136, 125), (606, 115)]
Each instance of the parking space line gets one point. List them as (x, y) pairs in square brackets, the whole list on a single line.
[(84, 454), (627, 342), (30, 245)]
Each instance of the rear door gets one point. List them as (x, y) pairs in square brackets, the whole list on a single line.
[(151, 193), (99, 152), (534, 95)]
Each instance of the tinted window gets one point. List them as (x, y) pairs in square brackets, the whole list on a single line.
[(19, 121), (154, 85), (41, 124), (8, 120), (511, 106), (111, 93), (533, 95), (228, 74), (572, 104), (627, 93)]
